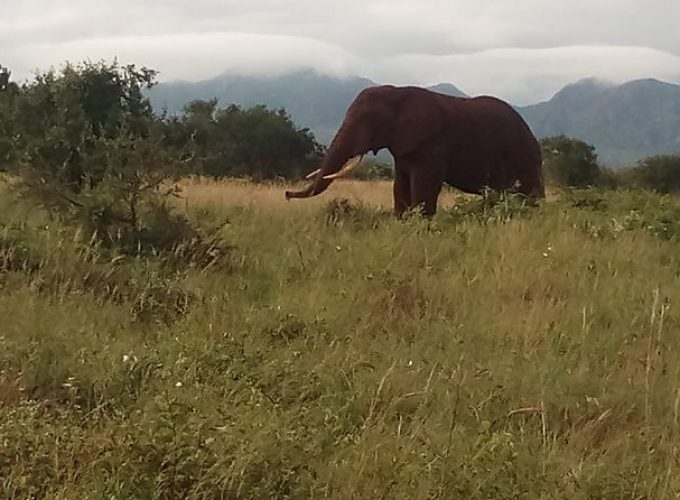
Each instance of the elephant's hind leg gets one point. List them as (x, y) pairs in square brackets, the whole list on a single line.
[(426, 184), (528, 170)]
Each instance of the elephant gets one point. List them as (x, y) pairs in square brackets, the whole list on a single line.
[(471, 143)]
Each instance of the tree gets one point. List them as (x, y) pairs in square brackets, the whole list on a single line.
[(569, 162), (265, 144), (659, 173), (258, 142), (59, 120), (196, 133), (86, 145)]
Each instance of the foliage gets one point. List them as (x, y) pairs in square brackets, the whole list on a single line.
[(586, 198), (87, 146), (74, 133), (630, 211), (658, 173), (372, 169), (497, 353), (569, 162), (492, 207), (612, 178), (258, 143)]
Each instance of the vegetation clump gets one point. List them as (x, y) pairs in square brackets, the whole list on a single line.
[(491, 355), (569, 162)]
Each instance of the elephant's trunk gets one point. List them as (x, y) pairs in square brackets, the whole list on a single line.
[(318, 186), (340, 159)]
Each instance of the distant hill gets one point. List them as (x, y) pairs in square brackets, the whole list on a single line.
[(624, 122), (448, 89), (313, 100)]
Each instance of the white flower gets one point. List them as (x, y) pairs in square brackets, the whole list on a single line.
[(617, 226), (593, 400), (126, 358), (178, 384)]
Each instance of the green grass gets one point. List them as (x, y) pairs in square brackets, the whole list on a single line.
[(495, 352)]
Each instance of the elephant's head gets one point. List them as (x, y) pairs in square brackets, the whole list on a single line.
[(373, 121)]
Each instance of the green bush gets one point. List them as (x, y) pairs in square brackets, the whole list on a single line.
[(258, 143), (658, 173), (592, 199), (86, 145), (372, 169), (569, 162), (492, 207)]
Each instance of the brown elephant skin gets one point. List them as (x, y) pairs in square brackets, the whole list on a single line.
[(472, 144)]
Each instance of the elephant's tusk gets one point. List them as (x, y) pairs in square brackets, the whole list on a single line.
[(312, 174), (351, 164)]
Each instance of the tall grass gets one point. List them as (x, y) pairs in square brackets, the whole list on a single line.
[(497, 351)]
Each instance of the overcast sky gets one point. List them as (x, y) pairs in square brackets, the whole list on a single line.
[(521, 50)]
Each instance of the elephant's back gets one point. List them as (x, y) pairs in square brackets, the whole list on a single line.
[(494, 139), (497, 120), (511, 146), (492, 109)]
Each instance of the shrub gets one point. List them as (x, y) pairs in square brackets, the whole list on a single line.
[(373, 169), (87, 146), (258, 142), (658, 173), (592, 199), (493, 207), (569, 162)]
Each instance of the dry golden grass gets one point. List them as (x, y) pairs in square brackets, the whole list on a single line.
[(267, 196), (495, 352)]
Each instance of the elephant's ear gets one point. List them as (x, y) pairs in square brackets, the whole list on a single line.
[(418, 122)]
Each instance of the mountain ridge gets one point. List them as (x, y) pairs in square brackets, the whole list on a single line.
[(625, 122)]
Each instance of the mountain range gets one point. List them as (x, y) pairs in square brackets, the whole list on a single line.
[(624, 122)]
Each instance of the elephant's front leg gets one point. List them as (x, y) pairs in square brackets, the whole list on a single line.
[(401, 191)]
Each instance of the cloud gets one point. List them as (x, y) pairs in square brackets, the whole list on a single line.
[(194, 56), (528, 75), (521, 49)]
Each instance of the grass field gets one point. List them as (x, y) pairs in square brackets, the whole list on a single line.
[(498, 351)]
